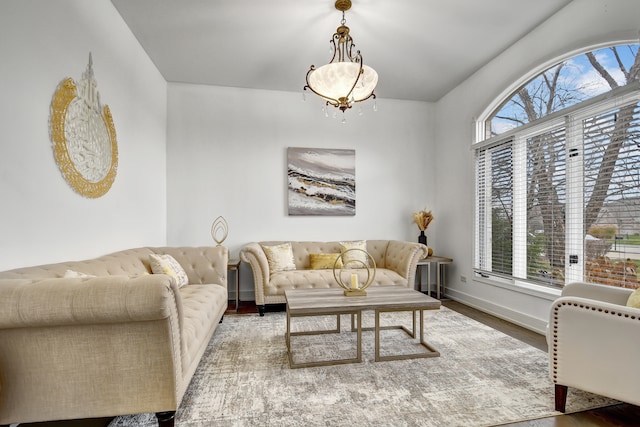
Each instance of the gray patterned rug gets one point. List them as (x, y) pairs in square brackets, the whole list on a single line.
[(482, 378)]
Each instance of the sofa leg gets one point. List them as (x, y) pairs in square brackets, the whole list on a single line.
[(261, 310), (561, 397), (165, 419), (221, 319)]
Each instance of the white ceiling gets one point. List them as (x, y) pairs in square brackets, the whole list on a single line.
[(421, 49)]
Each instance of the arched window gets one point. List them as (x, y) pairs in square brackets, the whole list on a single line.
[(558, 175), (565, 84)]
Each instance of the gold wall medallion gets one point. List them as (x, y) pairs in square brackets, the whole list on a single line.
[(84, 136)]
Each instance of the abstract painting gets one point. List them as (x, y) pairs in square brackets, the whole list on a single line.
[(321, 181)]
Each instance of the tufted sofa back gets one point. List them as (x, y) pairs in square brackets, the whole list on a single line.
[(202, 265), (301, 251), (127, 262)]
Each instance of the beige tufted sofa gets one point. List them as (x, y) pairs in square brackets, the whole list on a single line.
[(124, 342), (395, 260)]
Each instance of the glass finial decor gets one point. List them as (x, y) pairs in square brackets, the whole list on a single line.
[(219, 230)]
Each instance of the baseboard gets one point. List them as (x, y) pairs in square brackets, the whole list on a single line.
[(500, 311), (244, 295)]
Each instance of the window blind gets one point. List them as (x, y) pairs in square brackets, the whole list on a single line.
[(546, 197), (611, 196), (560, 202), (494, 212)]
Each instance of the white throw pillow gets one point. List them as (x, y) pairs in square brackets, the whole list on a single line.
[(280, 257), (166, 264), (355, 259), (71, 274)]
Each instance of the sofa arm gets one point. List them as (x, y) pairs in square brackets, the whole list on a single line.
[(96, 300), (593, 347), (59, 338), (254, 255), (402, 257)]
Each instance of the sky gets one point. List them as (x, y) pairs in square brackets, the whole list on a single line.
[(578, 75)]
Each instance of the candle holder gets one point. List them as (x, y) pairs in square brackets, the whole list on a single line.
[(353, 288)]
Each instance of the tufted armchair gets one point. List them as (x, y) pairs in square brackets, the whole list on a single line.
[(395, 261), (593, 343)]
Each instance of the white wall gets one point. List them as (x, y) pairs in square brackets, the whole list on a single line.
[(42, 219), (583, 23), (227, 148), (227, 156)]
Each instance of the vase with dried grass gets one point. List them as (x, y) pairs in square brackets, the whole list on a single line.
[(422, 219)]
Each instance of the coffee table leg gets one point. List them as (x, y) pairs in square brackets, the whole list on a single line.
[(413, 333), (431, 351), (353, 324), (422, 341), (359, 314), (288, 333), (425, 344), (377, 333)]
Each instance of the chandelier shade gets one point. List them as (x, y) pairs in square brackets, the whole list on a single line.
[(345, 80)]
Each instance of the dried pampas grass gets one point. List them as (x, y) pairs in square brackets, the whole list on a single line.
[(423, 219)]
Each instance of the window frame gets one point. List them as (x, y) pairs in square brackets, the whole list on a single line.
[(570, 118)]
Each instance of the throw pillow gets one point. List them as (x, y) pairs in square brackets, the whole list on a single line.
[(324, 261), (355, 259), (634, 299), (166, 264), (71, 274), (280, 257)]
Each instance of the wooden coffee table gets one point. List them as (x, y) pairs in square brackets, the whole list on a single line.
[(322, 302)]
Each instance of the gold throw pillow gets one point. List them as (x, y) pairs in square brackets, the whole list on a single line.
[(324, 261)]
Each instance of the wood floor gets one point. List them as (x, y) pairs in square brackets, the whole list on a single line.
[(622, 415)]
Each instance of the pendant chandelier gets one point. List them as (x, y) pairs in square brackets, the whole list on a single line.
[(345, 80)]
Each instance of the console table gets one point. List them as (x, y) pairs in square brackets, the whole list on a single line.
[(440, 262)]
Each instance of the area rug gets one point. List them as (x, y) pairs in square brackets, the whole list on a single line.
[(482, 378)]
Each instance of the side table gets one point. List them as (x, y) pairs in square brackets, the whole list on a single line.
[(234, 265), (440, 262)]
